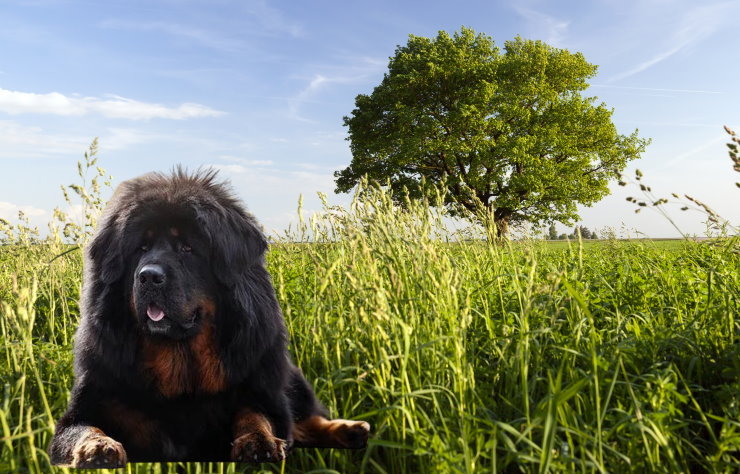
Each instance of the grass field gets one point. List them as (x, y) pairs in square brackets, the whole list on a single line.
[(464, 356), (664, 244)]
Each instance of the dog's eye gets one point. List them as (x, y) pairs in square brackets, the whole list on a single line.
[(144, 248), (185, 248)]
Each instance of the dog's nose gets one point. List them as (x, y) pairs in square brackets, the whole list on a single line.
[(152, 274)]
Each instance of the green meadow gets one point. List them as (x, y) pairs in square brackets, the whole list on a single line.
[(465, 354), (664, 244)]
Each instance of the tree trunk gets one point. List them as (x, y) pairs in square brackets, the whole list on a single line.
[(502, 227), (497, 227)]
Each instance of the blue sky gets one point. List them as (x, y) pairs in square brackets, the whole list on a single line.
[(259, 88)]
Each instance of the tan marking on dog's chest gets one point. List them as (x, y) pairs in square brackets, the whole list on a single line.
[(210, 370), (179, 368), (167, 364)]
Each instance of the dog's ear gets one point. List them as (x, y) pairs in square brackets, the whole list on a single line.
[(236, 242), (105, 252)]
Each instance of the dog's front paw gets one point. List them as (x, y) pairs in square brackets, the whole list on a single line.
[(258, 447), (97, 451)]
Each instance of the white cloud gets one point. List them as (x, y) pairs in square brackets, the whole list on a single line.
[(54, 103), (271, 19), (699, 151), (657, 89), (551, 30), (232, 169), (272, 181), (20, 141), (208, 39), (119, 138), (649, 63), (267, 188), (349, 70), (75, 213), (257, 17), (694, 26), (244, 161), (304, 95), (315, 85), (9, 211)]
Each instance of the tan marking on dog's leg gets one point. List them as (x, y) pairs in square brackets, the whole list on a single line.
[(316, 431)]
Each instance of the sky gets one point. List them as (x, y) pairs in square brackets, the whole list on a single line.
[(258, 90)]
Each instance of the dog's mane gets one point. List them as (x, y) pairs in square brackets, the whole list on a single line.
[(250, 321)]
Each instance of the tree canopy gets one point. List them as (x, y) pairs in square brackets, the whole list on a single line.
[(507, 132)]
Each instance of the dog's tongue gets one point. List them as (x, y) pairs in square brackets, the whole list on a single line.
[(154, 312)]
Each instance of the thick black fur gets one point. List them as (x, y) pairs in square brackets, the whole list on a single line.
[(227, 263)]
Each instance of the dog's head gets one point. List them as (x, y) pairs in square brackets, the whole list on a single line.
[(175, 246)]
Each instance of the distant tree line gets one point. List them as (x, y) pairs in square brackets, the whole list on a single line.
[(552, 233)]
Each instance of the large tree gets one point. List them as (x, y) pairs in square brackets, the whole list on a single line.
[(506, 132)]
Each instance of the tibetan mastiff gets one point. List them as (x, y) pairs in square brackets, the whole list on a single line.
[(181, 353)]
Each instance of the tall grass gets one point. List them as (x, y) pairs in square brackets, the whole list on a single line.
[(464, 355)]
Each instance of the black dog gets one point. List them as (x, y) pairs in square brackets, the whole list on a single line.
[(181, 353)]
